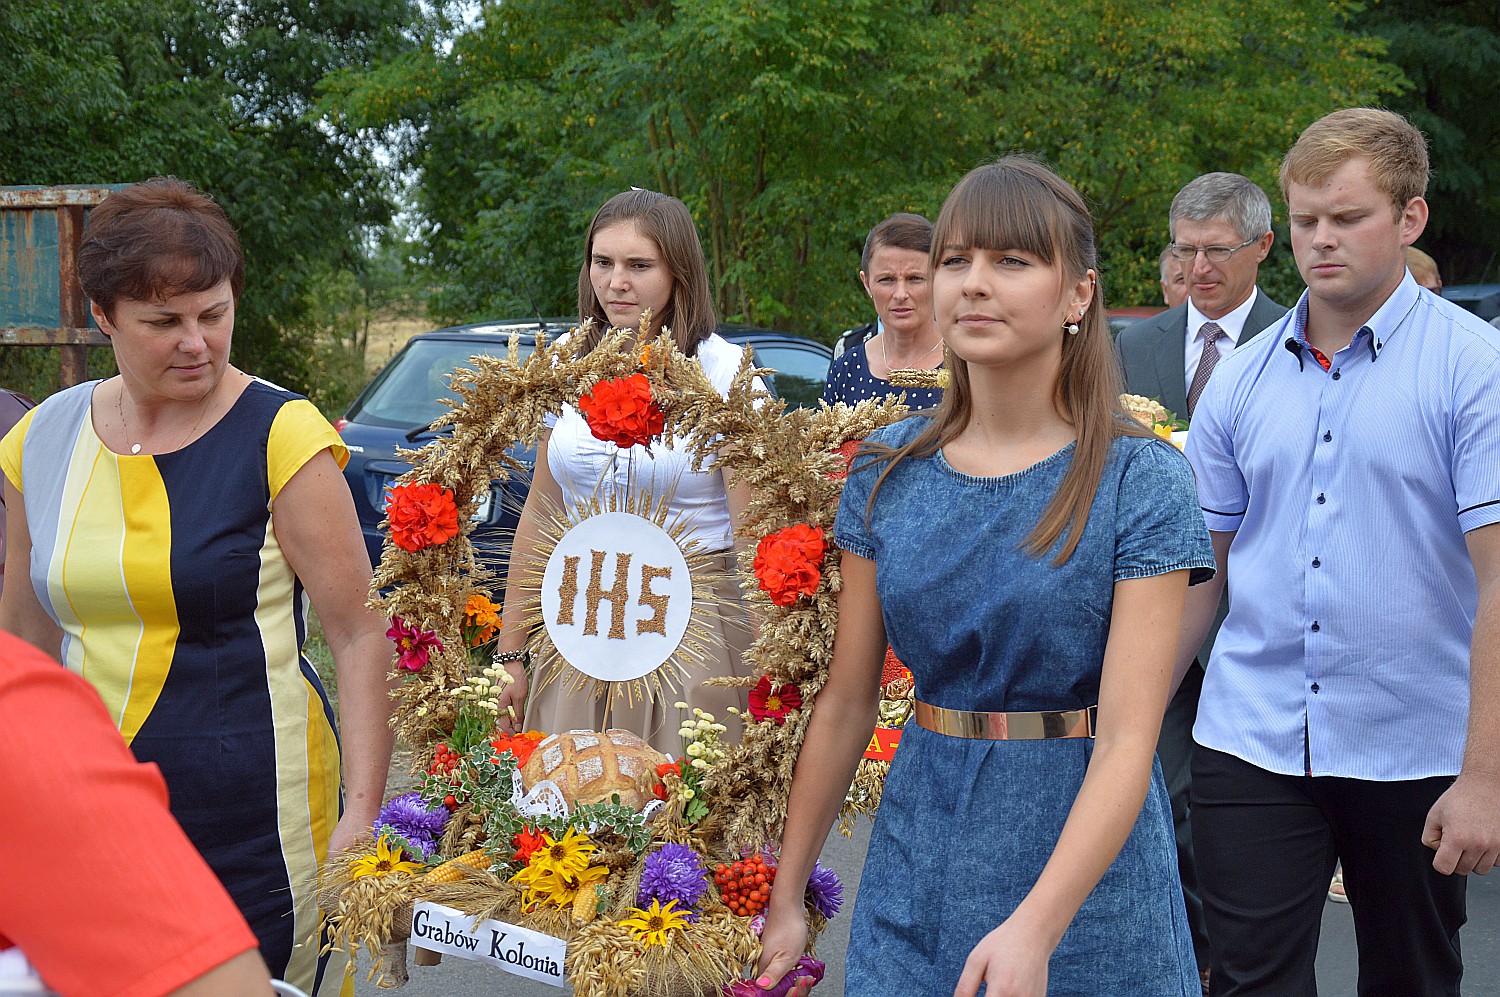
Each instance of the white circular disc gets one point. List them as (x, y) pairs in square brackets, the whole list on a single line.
[(622, 638)]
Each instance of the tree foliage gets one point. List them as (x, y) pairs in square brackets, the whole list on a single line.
[(791, 126), (216, 92), (1450, 51)]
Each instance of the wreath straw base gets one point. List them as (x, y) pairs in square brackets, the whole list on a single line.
[(794, 464)]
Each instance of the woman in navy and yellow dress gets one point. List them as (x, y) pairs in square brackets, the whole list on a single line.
[(175, 520)]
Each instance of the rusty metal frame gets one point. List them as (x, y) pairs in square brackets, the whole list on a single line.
[(75, 333)]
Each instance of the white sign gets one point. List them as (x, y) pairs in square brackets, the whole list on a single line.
[(512, 948), (616, 596)]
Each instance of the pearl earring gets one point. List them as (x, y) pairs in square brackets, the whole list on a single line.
[(1072, 328)]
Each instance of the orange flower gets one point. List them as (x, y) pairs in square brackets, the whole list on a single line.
[(520, 745), (481, 620), (846, 450), (421, 516), (788, 563), (527, 842), (623, 412), (660, 789)]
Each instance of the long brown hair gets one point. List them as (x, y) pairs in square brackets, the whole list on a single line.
[(1019, 204), (665, 221)]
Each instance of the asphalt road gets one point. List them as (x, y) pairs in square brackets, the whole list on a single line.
[(1336, 954)]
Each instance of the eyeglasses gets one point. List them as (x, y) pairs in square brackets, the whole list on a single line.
[(1215, 254)]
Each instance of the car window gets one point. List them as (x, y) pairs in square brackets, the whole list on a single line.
[(410, 391), (800, 374)]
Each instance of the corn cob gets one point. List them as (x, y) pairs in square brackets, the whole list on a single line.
[(450, 871), (586, 904)]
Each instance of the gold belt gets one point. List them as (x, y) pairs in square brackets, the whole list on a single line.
[(1006, 726)]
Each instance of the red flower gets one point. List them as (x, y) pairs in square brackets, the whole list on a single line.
[(768, 702), (527, 842), (660, 789), (421, 516), (520, 745), (412, 644), (622, 411), (788, 563)]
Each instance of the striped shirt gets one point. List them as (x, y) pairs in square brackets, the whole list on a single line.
[(1352, 595)]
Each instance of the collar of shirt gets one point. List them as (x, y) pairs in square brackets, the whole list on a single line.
[(1233, 324), (1377, 332)]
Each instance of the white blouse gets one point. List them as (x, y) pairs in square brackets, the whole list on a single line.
[(586, 466)]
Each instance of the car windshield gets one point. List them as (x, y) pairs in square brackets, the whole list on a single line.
[(410, 392), (799, 373)]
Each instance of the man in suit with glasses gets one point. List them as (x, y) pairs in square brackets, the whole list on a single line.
[(1221, 232)]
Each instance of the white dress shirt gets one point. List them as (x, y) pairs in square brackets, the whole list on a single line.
[(1233, 324)]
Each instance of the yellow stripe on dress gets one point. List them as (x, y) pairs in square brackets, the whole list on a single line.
[(147, 559), (118, 543), (295, 814)]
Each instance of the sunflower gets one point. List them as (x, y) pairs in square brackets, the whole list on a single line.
[(559, 888), (386, 859), (654, 925), (567, 856)]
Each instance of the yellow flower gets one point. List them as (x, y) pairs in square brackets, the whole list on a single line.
[(567, 857), (559, 888), (385, 860), (655, 925)]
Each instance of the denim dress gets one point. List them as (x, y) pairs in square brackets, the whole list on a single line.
[(965, 826)]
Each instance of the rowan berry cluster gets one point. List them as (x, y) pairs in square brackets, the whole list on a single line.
[(745, 886)]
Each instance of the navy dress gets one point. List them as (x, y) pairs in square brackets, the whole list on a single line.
[(850, 381), (967, 825)]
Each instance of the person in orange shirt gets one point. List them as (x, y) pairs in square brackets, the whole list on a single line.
[(110, 897)]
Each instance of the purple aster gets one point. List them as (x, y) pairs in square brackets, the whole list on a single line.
[(824, 890), (408, 817), (674, 872)]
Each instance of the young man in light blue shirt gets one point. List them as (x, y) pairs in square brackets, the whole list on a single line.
[(1348, 466)]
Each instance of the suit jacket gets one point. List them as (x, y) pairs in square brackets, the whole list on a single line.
[(1152, 351)]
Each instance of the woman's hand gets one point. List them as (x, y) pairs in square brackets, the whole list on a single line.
[(1010, 961), (346, 830), (512, 699), (782, 944)]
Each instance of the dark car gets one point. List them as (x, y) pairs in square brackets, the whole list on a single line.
[(400, 403), (1122, 318), (1481, 299)]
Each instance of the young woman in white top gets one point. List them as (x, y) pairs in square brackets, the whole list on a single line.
[(642, 253)]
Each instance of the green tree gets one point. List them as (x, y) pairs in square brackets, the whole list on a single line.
[(216, 92), (1450, 51), (791, 126)]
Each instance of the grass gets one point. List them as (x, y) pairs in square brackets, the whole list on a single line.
[(316, 650)]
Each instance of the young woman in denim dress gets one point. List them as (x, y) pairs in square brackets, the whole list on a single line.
[(1026, 549)]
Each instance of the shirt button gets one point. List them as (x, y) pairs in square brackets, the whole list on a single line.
[(1317, 562), (1327, 436), (1321, 499), (1335, 375), (1315, 627), (1315, 688)]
